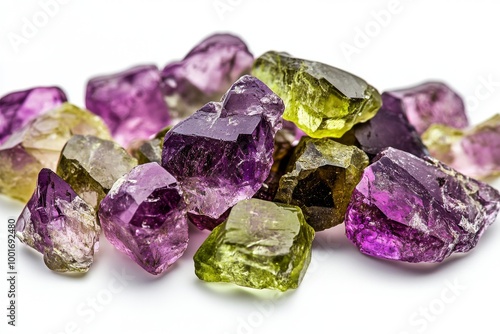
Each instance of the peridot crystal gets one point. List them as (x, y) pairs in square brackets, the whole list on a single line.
[(320, 179), (91, 166), (150, 150), (38, 145), (262, 245), (322, 100)]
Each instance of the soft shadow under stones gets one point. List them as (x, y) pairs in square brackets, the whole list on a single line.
[(329, 242)]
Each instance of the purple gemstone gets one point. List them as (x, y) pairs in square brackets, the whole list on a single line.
[(389, 128), (479, 152), (18, 108), (207, 223), (144, 217), (409, 209), (428, 103), (60, 225), (130, 102), (223, 153), (205, 73)]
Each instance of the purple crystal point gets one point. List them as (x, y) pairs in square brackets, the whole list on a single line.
[(389, 128), (223, 153), (429, 103), (60, 225), (130, 102), (17, 109), (409, 209), (205, 73), (144, 217)]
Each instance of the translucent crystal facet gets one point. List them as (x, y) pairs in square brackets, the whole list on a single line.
[(418, 210), (322, 100), (60, 225), (262, 245)]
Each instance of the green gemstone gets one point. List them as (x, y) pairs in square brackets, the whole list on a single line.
[(150, 150), (439, 139), (262, 245), (320, 179), (91, 166), (322, 100), (39, 144)]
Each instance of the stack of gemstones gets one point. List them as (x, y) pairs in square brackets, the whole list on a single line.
[(294, 147)]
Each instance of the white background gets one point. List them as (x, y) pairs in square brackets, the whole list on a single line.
[(344, 291)]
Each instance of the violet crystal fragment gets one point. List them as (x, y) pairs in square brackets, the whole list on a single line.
[(389, 128), (223, 153), (17, 109), (60, 225), (418, 210), (130, 102), (205, 73), (144, 217), (429, 103)]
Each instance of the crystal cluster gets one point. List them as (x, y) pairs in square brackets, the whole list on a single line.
[(418, 210), (430, 103), (92, 165), (205, 73), (19, 108), (474, 152), (144, 217), (298, 147), (320, 179), (130, 102), (38, 145), (222, 154), (323, 101), (261, 245), (60, 225)]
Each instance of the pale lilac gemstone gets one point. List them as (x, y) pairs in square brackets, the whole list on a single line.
[(205, 73), (429, 103), (131, 103), (19, 108)]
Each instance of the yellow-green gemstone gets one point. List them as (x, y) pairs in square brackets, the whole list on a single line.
[(150, 150), (91, 166), (38, 145), (262, 245), (322, 100), (320, 179)]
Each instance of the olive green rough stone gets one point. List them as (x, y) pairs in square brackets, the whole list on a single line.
[(322, 100), (39, 144), (320, 179), (262, 245), (91, 166), (150, 150)]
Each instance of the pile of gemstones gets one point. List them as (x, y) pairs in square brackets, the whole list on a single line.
[(293, 147)]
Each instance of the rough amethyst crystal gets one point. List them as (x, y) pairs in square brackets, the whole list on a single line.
[(418, 210), (17, 109), (144, 217), (389, 128), (205, 73), (130, 102), (60, 225), (429, 103), (223, 153)]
